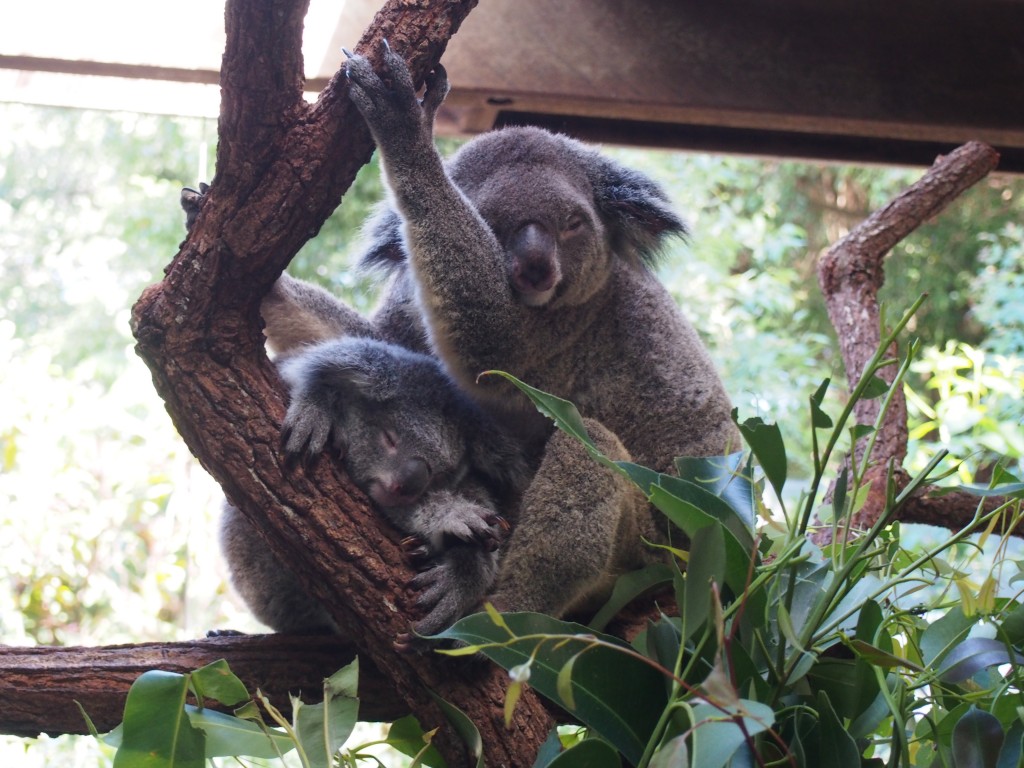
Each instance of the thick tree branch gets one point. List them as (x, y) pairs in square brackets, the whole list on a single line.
[(850, 275), (282, 167), (39, 686)]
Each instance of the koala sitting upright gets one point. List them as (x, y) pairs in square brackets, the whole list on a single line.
[(530, 253), (427, 457)]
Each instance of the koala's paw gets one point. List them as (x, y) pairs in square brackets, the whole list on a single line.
[(448, 591), (224, 633), (192, 201), (470, 525), (308, 425), (387, 100)]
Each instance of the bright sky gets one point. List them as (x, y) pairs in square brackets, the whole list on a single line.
[(186, 33)]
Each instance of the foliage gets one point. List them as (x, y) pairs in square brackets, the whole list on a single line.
[(89, 216), (786, 654), (162, 730), (968, 403)]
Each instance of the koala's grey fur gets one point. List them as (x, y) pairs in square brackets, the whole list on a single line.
[(530, 253), (431, 461)]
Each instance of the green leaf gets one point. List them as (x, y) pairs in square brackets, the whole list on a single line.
[(875, 387), (974, 654), (464, 727), (837, 747), (702, 571), (344, 682), (589, 753), (943, 634), (617, 695), (879, 658), (1010, 490), (406, 736), (228, 736), (661, 641), (217, 681), (765, 440), (820, 419), (323, 728), (156, 730), (716, 740), (630, 586), (672, 755), (1013, 747), (977, 739), (549, 750)]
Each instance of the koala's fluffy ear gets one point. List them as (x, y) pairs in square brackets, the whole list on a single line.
[(358, 366), (384, 246), (635, 209)]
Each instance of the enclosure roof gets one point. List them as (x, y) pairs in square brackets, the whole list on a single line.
[(870, 80)]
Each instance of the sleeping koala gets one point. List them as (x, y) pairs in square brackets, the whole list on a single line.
[(428, 458)]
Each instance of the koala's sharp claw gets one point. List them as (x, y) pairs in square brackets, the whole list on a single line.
[(385, 45), (406, 644), (347, 52), (411, 542), (500, 522)]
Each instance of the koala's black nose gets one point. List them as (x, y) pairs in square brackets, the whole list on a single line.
[(412, 478), (533, 263)]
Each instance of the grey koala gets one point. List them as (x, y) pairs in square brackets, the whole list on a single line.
[(531, 253), (432, 462)]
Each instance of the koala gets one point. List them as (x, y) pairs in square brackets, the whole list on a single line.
[(428, 458), (529, 252)]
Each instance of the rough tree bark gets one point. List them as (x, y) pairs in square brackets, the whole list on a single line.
[(850, 275), (282, 167), (39, 686)]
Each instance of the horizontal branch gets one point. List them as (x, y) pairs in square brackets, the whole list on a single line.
[(39, 686)]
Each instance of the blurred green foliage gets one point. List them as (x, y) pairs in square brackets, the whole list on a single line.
[(108, 524)]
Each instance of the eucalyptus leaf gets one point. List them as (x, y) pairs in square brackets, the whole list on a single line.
[(406, 736), (973, 655), (630, 586), (705, 570), (875, 387), (228, 736), (465, 727), (323, 728), (674, 754), (837, 747), (943, 634), (617, 695), (716, 739), (217, 681), (820, 419), (730, 478), (549, 750), (156, 731), (765, 441), (1012, 753), (589, 753), (977, 739)]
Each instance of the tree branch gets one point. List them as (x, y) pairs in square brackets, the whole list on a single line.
[(282, 167), (39, 686), (850, 275)]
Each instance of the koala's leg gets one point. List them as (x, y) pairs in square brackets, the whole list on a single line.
[(579, 527), (266, 585), (297, 314)]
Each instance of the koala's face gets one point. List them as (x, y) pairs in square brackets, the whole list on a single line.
[(398, 449), (539, 202)]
